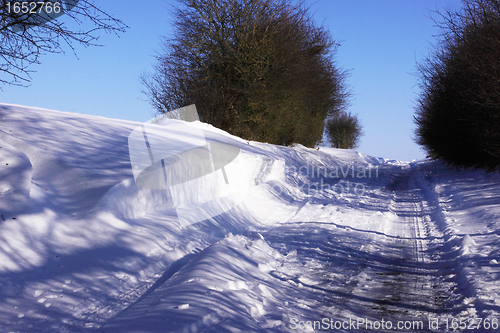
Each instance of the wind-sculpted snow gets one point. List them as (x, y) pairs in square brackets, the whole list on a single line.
[(15, 177), (322, 236)]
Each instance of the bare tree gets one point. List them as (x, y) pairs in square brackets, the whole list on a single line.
[(259, 69), (30, 29), (343, 130)]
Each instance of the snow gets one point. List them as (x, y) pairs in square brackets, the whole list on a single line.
[(296, 239)]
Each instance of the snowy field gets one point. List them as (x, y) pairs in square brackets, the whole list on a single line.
[(324, 240)]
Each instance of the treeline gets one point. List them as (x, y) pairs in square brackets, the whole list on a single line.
[(458, 112)]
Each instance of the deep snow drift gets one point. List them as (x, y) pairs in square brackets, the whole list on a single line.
[(324, 239)]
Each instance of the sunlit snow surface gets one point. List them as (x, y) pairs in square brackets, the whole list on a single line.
[(321, 234)]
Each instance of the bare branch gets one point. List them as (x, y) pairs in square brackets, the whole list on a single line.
[(24, 38)]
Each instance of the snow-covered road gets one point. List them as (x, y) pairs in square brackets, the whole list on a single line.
[(327, 240), (397, 277)]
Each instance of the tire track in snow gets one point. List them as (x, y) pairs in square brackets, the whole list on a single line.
[(462, 301), (406, 278), (400, 281)]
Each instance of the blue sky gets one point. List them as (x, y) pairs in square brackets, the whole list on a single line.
[(381, 42)]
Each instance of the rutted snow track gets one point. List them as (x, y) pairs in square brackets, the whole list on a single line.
[(402, 282), (312, 270), (386, 276), (383, 266)]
